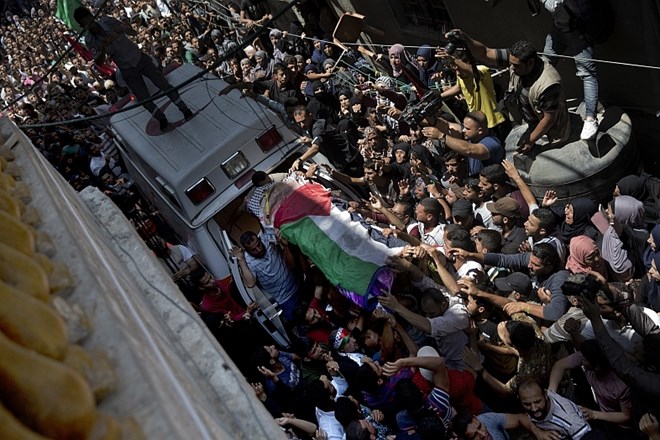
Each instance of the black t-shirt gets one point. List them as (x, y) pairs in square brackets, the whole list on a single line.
[(284, 96), (333, 144), (254, 9), (512, 242)]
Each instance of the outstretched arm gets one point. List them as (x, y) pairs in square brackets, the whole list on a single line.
[(418, 321), (248, 277), (516, 178), (479, 50), (433, 363)]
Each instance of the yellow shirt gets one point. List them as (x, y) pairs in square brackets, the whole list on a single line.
[(485, 100)]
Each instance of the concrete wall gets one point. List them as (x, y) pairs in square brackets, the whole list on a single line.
[(174, 379)]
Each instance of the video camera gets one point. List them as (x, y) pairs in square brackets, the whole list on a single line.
[(581, 285), (429, 105), (455, 42)]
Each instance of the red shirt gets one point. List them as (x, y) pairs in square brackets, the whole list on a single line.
[(221, 301), (320, 332)]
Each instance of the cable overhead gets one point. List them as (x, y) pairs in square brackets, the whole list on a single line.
[(246, 42), (160, 94)]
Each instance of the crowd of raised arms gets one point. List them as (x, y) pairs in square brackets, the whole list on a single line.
[(509, 315)]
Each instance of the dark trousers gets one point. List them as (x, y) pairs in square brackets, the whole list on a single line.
[(134, 78)]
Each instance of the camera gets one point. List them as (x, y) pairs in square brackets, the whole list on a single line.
[(457, 46), (455, 42), (581, 285), (427, 106)]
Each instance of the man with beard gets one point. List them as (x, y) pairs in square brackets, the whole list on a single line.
[(473, 139), (535, 95), (540, 227), (549, 411), (494, 182), (547, 301), (506, 214), (272, 267)]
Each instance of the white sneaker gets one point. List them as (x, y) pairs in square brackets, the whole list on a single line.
[(589, 129)]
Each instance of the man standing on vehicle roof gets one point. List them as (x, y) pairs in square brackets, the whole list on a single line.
[(107, 35)]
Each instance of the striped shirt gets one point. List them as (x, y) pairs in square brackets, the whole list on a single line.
[(564, 417), (272, 273)]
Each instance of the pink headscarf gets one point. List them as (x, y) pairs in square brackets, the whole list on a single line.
[(580, 248)]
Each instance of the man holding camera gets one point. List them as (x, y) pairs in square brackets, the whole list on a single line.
[(473, 139), (535, 94)]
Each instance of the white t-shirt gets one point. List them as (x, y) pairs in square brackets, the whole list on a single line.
[(328, 423), (434, 238), (626, 337), (469, 265), (486, 217)]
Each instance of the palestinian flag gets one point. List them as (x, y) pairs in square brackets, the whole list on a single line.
[(64, 12), (341, 248)]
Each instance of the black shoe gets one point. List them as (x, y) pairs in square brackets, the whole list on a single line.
[(163, 122), (187, 114)]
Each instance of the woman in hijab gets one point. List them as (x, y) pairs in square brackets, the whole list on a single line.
[(399, 165), (345, 96), (653, 245), (400, 66), (427, 65), (643, 189), (648, 293), (585, 257), (624, 241), (422, 160), (264, 65), (317, 55), (577, 220), (398, 58)]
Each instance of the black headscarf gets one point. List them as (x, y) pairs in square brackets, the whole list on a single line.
[(634, 186), (639, 188), (583, 209)]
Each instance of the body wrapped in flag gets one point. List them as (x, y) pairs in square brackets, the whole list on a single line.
[(341, 248)]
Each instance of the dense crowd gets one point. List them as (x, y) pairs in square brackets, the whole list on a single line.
[(507, 314)]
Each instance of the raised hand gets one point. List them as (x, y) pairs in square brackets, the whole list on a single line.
[(391, 368), (549, 198), (510, 169), (572, 326), (404, 187)]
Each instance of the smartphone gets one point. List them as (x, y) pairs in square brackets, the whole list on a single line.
[(600, 221)]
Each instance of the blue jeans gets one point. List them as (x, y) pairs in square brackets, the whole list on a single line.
[(573, 44)]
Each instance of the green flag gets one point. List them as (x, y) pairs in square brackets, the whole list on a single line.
[(64, 12)]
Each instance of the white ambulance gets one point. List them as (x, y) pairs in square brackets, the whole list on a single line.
[(197, 172)]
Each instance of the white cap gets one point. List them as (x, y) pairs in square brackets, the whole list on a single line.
[(427, 350)]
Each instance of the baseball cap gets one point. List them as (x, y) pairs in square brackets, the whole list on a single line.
[(462, 208), (516, 282), (505, 206), (427, 351)]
